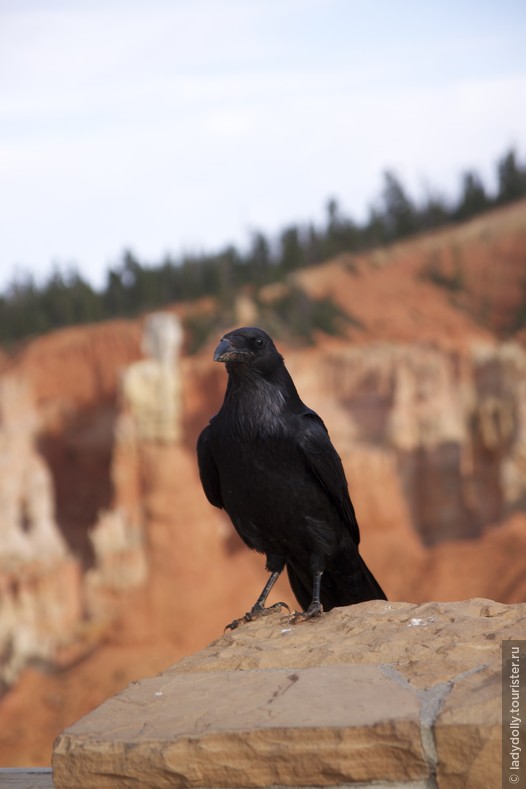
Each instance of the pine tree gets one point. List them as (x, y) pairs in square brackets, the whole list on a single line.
[(511, 178)]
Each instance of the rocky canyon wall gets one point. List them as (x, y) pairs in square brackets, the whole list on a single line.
[(40, 601), (112, 562), (103, 525), (452, 423), (101, 497)]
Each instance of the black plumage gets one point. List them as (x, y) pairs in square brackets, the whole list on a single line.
[(267, 460)]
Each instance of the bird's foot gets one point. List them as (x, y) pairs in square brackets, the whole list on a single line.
[(255, 612), (315, 609)]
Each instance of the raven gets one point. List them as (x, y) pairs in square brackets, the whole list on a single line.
[(267, 460)]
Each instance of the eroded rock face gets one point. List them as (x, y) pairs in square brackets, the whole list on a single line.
[(56, 437), (426, 408), (40, 599), (454, 424), (27, 524), (152, 387), (433, 442), (374, 692), (130, 504)]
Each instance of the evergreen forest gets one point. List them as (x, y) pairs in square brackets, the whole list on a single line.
[(133, 286)]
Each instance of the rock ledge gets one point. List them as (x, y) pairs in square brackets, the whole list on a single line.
[(407, 695)]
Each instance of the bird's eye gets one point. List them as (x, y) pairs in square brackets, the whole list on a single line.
[(260, 342)]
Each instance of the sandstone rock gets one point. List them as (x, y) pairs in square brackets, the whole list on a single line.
[(40, 601), (77, 368), (152, 386), (471, 705), (40, 609), (373, 692), (27, 524), (493, 565), (453, 424), (120, 565)]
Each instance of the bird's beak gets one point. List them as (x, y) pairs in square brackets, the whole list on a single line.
[(226, 352)]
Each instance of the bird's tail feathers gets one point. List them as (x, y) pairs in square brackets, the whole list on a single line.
[(345, 581)]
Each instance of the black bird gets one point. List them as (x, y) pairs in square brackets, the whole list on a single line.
[(268, 461)]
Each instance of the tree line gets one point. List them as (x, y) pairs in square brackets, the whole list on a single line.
[(132, 286)]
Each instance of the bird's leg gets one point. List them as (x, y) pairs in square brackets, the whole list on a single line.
[(315, 608), (258, 609)]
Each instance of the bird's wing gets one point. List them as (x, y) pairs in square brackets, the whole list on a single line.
[(208, 470), (324, 462)]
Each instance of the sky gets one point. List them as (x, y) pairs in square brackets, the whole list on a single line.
[(172, 126)]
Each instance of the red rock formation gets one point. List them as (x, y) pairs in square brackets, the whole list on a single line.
[(40, 589), (423, 401)]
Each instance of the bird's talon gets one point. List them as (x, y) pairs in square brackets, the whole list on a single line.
[(313, 610), (234, 624), (276, 607), (255, 613)]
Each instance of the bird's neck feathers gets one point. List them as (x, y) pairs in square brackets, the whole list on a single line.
[(258, 401)]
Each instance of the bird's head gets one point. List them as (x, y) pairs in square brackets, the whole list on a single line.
[(248, 347)]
